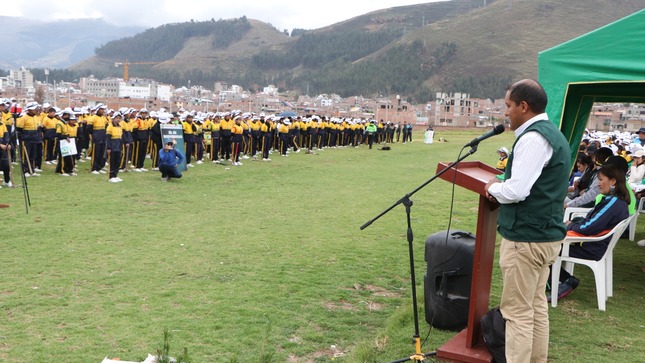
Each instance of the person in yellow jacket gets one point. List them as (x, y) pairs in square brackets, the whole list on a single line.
[(114, 133), (503, 159), (28, 127), (266, 134), (96, 125), (213, 126), (190, 131), (285, 138), (7, 118), (65, 164), (236, 141), (50, 122), (5, 147), (225, 126)]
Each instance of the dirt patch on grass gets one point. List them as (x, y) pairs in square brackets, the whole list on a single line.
[(339, 305), (572, 309), (331, 353), (377, 290)]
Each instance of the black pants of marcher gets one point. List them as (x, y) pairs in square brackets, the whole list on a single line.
[(255, 142), (190, 149), (215, 146), (266, 145), (370, 139), (65, 164), (226, 147), (125, 156), (199, 147), (285, 139), (31, 149), (141, 149), (236, 142), (50, 146), (38, 160), (115, 162), (4, 165), (98, 155), (155, 153), (169, 171)]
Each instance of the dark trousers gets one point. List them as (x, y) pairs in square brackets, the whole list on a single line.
[(266, 145), (169, 171), (285, 139), (226, 147), (65, 164), (190, 149), (255, 142), (156, 146), (141, 147), (215, 146), (50, 149), (590, 251), (4, 165), (200, 148), (115, 163), (38, 160), (237, 147), (27, 154), (98, 156), (126, 155)]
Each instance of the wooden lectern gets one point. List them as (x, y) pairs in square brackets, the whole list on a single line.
[(467, 345)]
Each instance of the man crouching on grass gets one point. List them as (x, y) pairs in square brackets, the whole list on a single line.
[(169, 160)]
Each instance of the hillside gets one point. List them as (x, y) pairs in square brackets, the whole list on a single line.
[(470, 46), (503, 40), (57, 44)]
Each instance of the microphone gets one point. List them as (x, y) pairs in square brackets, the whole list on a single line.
[(495, 131)]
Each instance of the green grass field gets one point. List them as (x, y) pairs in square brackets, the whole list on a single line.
[(261, 263)]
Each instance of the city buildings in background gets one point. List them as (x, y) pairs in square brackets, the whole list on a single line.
[(447, 109)]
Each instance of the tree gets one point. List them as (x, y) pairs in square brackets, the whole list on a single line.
[(39, 96)]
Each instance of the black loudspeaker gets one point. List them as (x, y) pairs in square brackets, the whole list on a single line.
[(446, 284)]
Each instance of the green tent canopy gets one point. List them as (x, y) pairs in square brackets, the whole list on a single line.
[(605, 65)]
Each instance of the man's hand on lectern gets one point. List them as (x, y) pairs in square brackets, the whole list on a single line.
[(491, 182)]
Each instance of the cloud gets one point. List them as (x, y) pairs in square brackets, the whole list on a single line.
[(283, 14)]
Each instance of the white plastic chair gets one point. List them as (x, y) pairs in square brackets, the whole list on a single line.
[(632, 224), (602, 269), (573, 212)]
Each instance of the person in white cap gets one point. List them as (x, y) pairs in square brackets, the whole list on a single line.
[(225, 126), (114, 134), (236, 140), (503, 158), (50, 120), (28, 127), (5, 161), (65, 130), (637, 171), (141, 134), (96, 125)]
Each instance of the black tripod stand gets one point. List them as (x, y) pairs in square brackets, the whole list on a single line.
[(16, 141), (418, 355)]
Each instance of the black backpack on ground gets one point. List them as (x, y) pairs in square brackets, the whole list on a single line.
[(493, 327)]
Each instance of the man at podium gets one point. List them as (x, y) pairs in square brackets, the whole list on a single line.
[(529, 219)]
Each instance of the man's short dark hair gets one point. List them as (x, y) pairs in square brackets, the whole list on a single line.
[(530, 92)]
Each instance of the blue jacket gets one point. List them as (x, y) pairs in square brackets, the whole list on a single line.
[(604, 216), (170, 158)]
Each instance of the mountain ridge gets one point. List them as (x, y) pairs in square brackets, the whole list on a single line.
[(471, 46)]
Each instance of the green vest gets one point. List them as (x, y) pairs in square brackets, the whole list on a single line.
[(538, 218)]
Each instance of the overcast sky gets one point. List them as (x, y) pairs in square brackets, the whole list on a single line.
[(283, 14)]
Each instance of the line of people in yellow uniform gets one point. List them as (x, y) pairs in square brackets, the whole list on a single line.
[(127, 136)]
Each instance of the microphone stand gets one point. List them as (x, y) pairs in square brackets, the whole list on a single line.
[(418, 355)]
